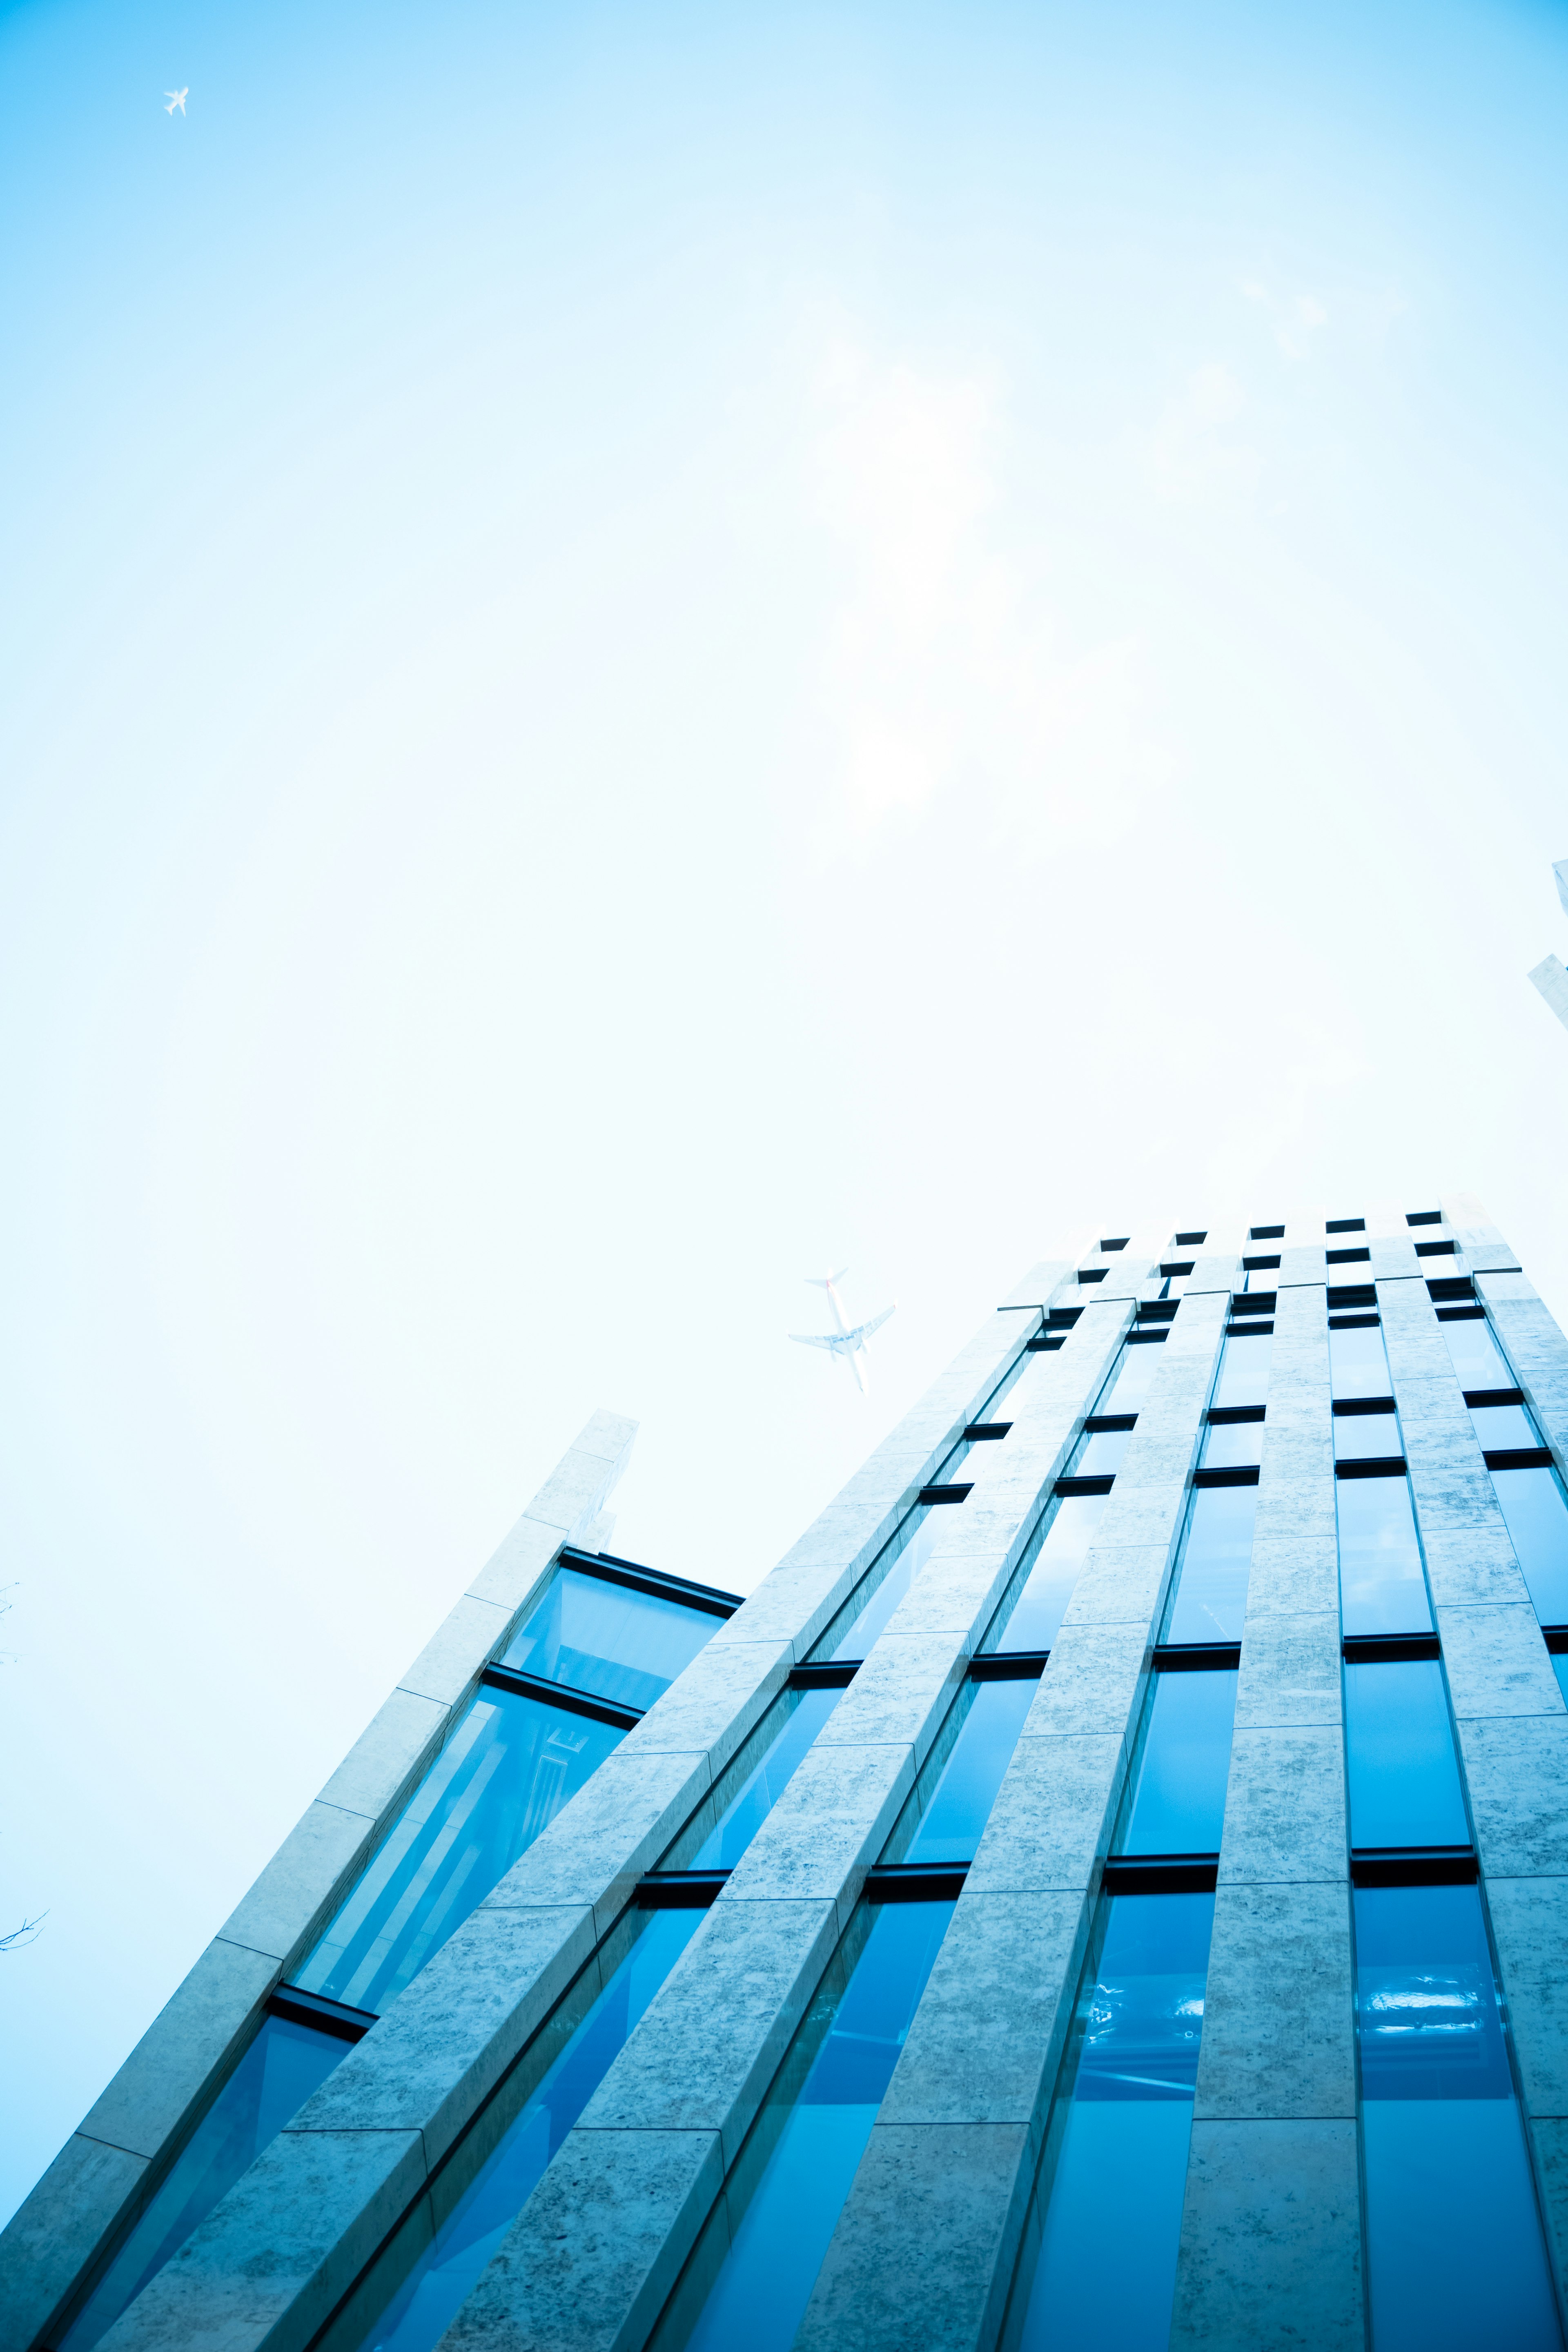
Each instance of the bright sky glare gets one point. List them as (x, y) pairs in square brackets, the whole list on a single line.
[(652, 649)]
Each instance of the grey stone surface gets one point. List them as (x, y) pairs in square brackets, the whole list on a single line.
[(708, 2049), (270, 2261), (922, 2253), (1093, 1679), (1278, 2021), (1285, 1806), (59, 2229), (1474, 1566), (900, 1693), (515, 1572), (1050, 1824), (462, 1646), (1119, 1584), (597, 2248), (1448, 1479), (196, 2034), (388, 1757), (1497, 1662), (1292, 1575), (1529, 1923), (1289, 1672), (599, 1844), (1517, 1768), (303, 1884), (1270, 2249), (828, 1828), (711, 1708)]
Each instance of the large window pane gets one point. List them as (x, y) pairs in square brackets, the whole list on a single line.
[(1363, 1436), (1177, 1801), (764, 1784), (1132, 1376), (1357, 1364), (1498, 1426), (1455, 2257), (433, 2262), (271, 2083), (910, 1550), (1382, 1588), (1403, 1778), (505, 1771), (1098, 1453), (1476, 1357), (1036, 1615), (750, 2279), (960, 1805), (1099, 2267), (1217, 1559), (608, 1639), (1538, 1528), (1244, 1369), (1231, 1445)]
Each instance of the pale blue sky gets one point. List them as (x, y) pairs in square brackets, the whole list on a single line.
[(647, 647)]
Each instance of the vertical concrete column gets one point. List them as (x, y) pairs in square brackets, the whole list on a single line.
[(1507, 1711), (601, 2242), (1270, 2249), (924, 2251)]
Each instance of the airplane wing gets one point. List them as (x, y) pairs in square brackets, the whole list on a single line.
[(863, 1331), (817, 1339)]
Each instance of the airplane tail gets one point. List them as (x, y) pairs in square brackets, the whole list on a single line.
[(826, 1282)]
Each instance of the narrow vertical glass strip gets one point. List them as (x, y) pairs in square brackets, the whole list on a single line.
[(1357, 1364), (432, 2264), (1559, 1668), (1537, 1516), (1455, 2257), (271, 2083), (1243, 1369), (1474, 1352), (1176, 1800), (1035, 1617), (509, 1767), (1209, 1601), (1399, 1747), (1099, 2263), (747, 2285), (1131, 1375), (1382, 1587), (762, 1787), (956, 1813), (609, 1639)]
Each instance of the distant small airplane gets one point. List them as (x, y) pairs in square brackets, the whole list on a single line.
[(176, 98), (848, 1346)]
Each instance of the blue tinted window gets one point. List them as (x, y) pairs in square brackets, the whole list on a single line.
[(1359, 1436), (961, 1803), (1230, 1446), (606, 1638), (1455, 2258), (1476, 1356), (751, 2278), (1559, 1668), (1404, 1779), (1382, 1588), (437, 2269), (1244, 1369), (1037, 1613), (913, 1543), (1177, 1802), (761, 1790), (271, 2083), (1132, 1376), (1099, 2268), (1217, 1559), (509, 1767), (1501, 1425), (1532, 1505), (1357, 1364), (1098, 1453)]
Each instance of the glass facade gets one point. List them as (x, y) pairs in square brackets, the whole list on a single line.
[(1132, 1376), (1367, 1436), (1210, 1598), (1035, 1617), (907, 1554), (1476, 1356), (1399, 1751), (1244, 1369), (960, 1804), (1099, 2264), (609, 1640), (1357, 1364), (1231, 1445), (1382, 1587), (1455, 2257), (1537, 1518), (1176, 1798), (761, 1787)]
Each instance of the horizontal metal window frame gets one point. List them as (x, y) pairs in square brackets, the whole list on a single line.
[(1424, 1217), (679, 1890), (1347, 1257), (1177, 1269), (1160, 1874), (1197, 1657), (981, 1433), (1556, 1640), (1354, 1322), (1414, 1865), (1375, 1466), (1345, 1226), (1482, 1399), (1354, 1408), (1157, 1310), (1437, 1249), (1344, 1296), (1260, 1265), (1008, 1667), (1062, 1318), (1107, 1424), (1262, 1329), (571, 1702), (1388, 1649), (1448, 1287), (1069, 1486), (829, 1673), (1118, 1242), (915, 1882), (1254, 1302), (1044, 1343), (1147, 1338), (1461, 1313), (1230, 1416), (1518, 1457), (1266, 1232), (955, 1491), (652, 1581), (313, 2009), (1093, 1273), (1233, 1474), (1185, 1241)]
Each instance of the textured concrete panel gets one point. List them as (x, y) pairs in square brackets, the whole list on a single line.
[(1452, 1488), (921, 2255), (1517, 1768), (515, 1572), (197, 2033), (459, 1652), (1270, 2256), (303, 1884), (1529, 1921), (268, 2264), (1289, 1672), (1474, 1567), (1498, 1662), (900, 1693), (1292, 1575), (1093, 1680), (599, 1844), (987, 2038), (1285, 1806), (1121, 1584), (592, 2258), (1278, 2023), (1052, 1820), (713, 1705), (388, 1757), (58, 2230), (829, 1826)]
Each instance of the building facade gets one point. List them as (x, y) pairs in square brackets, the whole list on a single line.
[(1109, 1885)]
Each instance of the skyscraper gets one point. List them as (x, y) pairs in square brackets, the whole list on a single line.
[(1107, 1884)]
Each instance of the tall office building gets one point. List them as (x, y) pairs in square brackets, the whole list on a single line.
[(1107, 1886)]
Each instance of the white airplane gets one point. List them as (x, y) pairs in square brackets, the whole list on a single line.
[(176, 98), (848, 1346)]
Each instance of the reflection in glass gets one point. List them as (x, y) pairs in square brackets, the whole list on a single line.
[(1132, 1376), (1210, 1599), (1537, 1520), (914, 1541), (1099, 2268), (1037, 1613), (1098, 1453), (1177, 1802), (271, 2083), (1382, 1588), (1476, 1357), (1357, 1364), (763, 1787), (1363, 1436), (434, 2262), (747, 2285), (1453, 2250), (608, 1639), (960, 1805), (1399, 1746), (509, 1767), (1231, 1444), (1244, 1369), (1559, 1668), (1499, 1426)]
